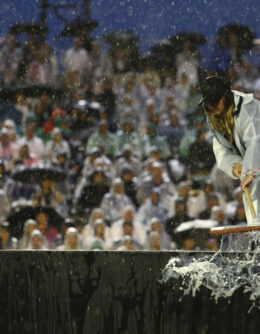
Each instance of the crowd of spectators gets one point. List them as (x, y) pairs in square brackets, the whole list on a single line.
[(133, 146)]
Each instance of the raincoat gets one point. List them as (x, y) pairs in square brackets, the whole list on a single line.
[(246, 147)]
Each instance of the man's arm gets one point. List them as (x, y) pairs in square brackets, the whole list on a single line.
[(227, 160)]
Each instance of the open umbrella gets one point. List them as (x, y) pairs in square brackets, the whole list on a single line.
[(8, 94), (38, 90), (79, 28), (244, 34), (120, 38), (195, 38), (36, 174), (126, 42), (20, 212), (160, 56), (28, 28)]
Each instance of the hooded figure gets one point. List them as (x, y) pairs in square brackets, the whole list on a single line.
[(152, 207), (234, 118), (72, 241), (115, 202), (29, 227)]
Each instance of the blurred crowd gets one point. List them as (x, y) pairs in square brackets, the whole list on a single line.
[(133, 148)]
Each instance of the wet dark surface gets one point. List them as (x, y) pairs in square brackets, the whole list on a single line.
[(109, 292)]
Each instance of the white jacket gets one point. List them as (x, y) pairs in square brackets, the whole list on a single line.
[(246, 150)]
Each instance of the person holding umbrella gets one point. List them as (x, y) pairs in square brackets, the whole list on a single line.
[(234, 119), (47, 195)]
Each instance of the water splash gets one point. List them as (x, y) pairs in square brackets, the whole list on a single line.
[(222, 273)]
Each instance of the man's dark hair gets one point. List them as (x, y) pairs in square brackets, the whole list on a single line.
[(213, 89)]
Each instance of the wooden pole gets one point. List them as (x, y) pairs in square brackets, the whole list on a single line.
[(220, 230), (238, 229), (250, 203)]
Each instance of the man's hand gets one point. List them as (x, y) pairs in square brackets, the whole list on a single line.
[(237, 168), (247, 181)]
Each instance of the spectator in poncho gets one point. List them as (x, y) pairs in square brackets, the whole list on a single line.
[(37, 241), (72, 241), (93, 192), (136, 229), (114, 202), (100, 237), (29, 227), (102, 139), (152, 207)]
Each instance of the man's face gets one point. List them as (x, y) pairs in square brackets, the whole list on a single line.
[(157, 172), (98, 178), (100, 230), (180, 209), (4, 234), (127, 127), (183, 191), (155, 242), (77, 44), (30, 229), (129, 216), (103, 129), (57, 137), (154, 198), (5, 139), (127, 154), (30, 128), (72, 240), (42, 221), (118, 189), (127, 177), (128, 229), (36, 242), (156, 227), (217, 110)]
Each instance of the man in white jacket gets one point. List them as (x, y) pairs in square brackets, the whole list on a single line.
[(76, 63), (234, 118)]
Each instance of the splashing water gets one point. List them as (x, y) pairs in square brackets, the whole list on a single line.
[(223, 273)]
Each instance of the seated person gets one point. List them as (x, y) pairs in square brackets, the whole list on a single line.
[(98, 184), (29, 227), (47, 195), (128, 226), (36, 241), (71, 241), (181, 216), (6, 240), (49, 233), (114, 202)]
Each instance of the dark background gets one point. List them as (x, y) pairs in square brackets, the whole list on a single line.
[(149, 19)]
